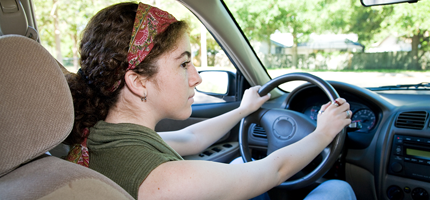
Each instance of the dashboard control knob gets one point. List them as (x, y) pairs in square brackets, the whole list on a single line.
[(399, 150), (394, 192), (420, 194), (396, 167)]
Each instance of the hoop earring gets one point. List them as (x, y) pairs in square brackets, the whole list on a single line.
[(143, 98)]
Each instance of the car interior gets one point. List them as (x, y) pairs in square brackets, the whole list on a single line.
[(386, 156)]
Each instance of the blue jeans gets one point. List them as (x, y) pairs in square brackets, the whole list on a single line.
[(332, 189), (328, 190)]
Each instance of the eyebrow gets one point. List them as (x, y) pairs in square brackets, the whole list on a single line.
[(185, 53)]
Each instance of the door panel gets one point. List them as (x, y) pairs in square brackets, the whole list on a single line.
[(213, 109), (226, 149)]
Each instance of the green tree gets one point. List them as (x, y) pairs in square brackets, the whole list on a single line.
[(60, 22), (373, 24), (259, 21), (298, 18), (343, 17), (411, 22), (182, 13), (45, 23)]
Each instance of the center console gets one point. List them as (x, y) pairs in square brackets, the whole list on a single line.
[(409, 158)]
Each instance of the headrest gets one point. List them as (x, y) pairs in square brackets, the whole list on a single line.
[(36, 107)]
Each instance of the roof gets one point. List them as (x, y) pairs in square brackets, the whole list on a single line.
[(324, 41)]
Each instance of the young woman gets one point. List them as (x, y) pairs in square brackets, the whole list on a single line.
[(136, 71)]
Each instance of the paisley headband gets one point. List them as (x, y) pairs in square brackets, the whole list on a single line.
[(149, 22)]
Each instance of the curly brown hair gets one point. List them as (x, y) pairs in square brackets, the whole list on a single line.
[(103, 49)]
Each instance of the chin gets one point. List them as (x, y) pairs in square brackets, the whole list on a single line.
[(183, 115)]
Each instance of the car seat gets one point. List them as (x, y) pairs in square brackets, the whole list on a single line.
[(36, 114)]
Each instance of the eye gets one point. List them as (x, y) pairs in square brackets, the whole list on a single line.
[(185, 64)]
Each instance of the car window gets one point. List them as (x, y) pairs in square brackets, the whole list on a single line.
[(339, 40), (61, 22)]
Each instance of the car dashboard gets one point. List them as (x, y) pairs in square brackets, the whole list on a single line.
[(308, 100), (389, 156)]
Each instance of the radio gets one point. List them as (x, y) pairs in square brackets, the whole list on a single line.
[(410, 157)]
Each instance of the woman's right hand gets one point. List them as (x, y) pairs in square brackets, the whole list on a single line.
[(333, 117), (252, 101)]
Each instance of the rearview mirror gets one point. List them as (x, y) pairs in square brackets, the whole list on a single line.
[(384, 2)]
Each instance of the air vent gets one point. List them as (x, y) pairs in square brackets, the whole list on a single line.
[(412, 120), (258, 131)]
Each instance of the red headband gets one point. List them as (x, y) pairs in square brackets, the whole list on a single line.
[(149, 22)]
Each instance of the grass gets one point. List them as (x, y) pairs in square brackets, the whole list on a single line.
[(369, 70)]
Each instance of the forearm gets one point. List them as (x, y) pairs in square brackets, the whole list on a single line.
[(209, 131), (224, 181), (289, 160), (197, 137)]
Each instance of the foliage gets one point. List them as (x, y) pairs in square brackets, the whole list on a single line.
[(74, 15), (262, 19), (373, 24), (370, 24), (259, 20), (412, 19), (71, 16)]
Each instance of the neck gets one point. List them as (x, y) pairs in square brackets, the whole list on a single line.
[(133, 111)]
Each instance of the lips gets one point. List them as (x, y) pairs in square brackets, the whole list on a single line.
[(191, 96)]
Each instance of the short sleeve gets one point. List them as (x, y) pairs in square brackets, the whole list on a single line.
[(128, 166)]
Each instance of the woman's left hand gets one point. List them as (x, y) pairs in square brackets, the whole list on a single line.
[(251, 100)]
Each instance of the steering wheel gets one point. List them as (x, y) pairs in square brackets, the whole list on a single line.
[(284, 127)]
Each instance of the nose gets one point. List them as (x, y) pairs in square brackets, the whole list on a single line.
[(194, 77)]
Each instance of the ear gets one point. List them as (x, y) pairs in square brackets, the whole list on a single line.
[(135, 83)]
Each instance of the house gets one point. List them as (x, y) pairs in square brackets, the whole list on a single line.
[(281, 43), (390, 44)]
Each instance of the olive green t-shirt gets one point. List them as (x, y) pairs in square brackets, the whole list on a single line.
[(127, 153)]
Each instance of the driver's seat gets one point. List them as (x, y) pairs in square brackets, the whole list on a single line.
[(36, 114)]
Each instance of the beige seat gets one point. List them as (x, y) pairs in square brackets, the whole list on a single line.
[(36, 114)]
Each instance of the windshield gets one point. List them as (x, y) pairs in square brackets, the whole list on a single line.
[(339, 40)]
